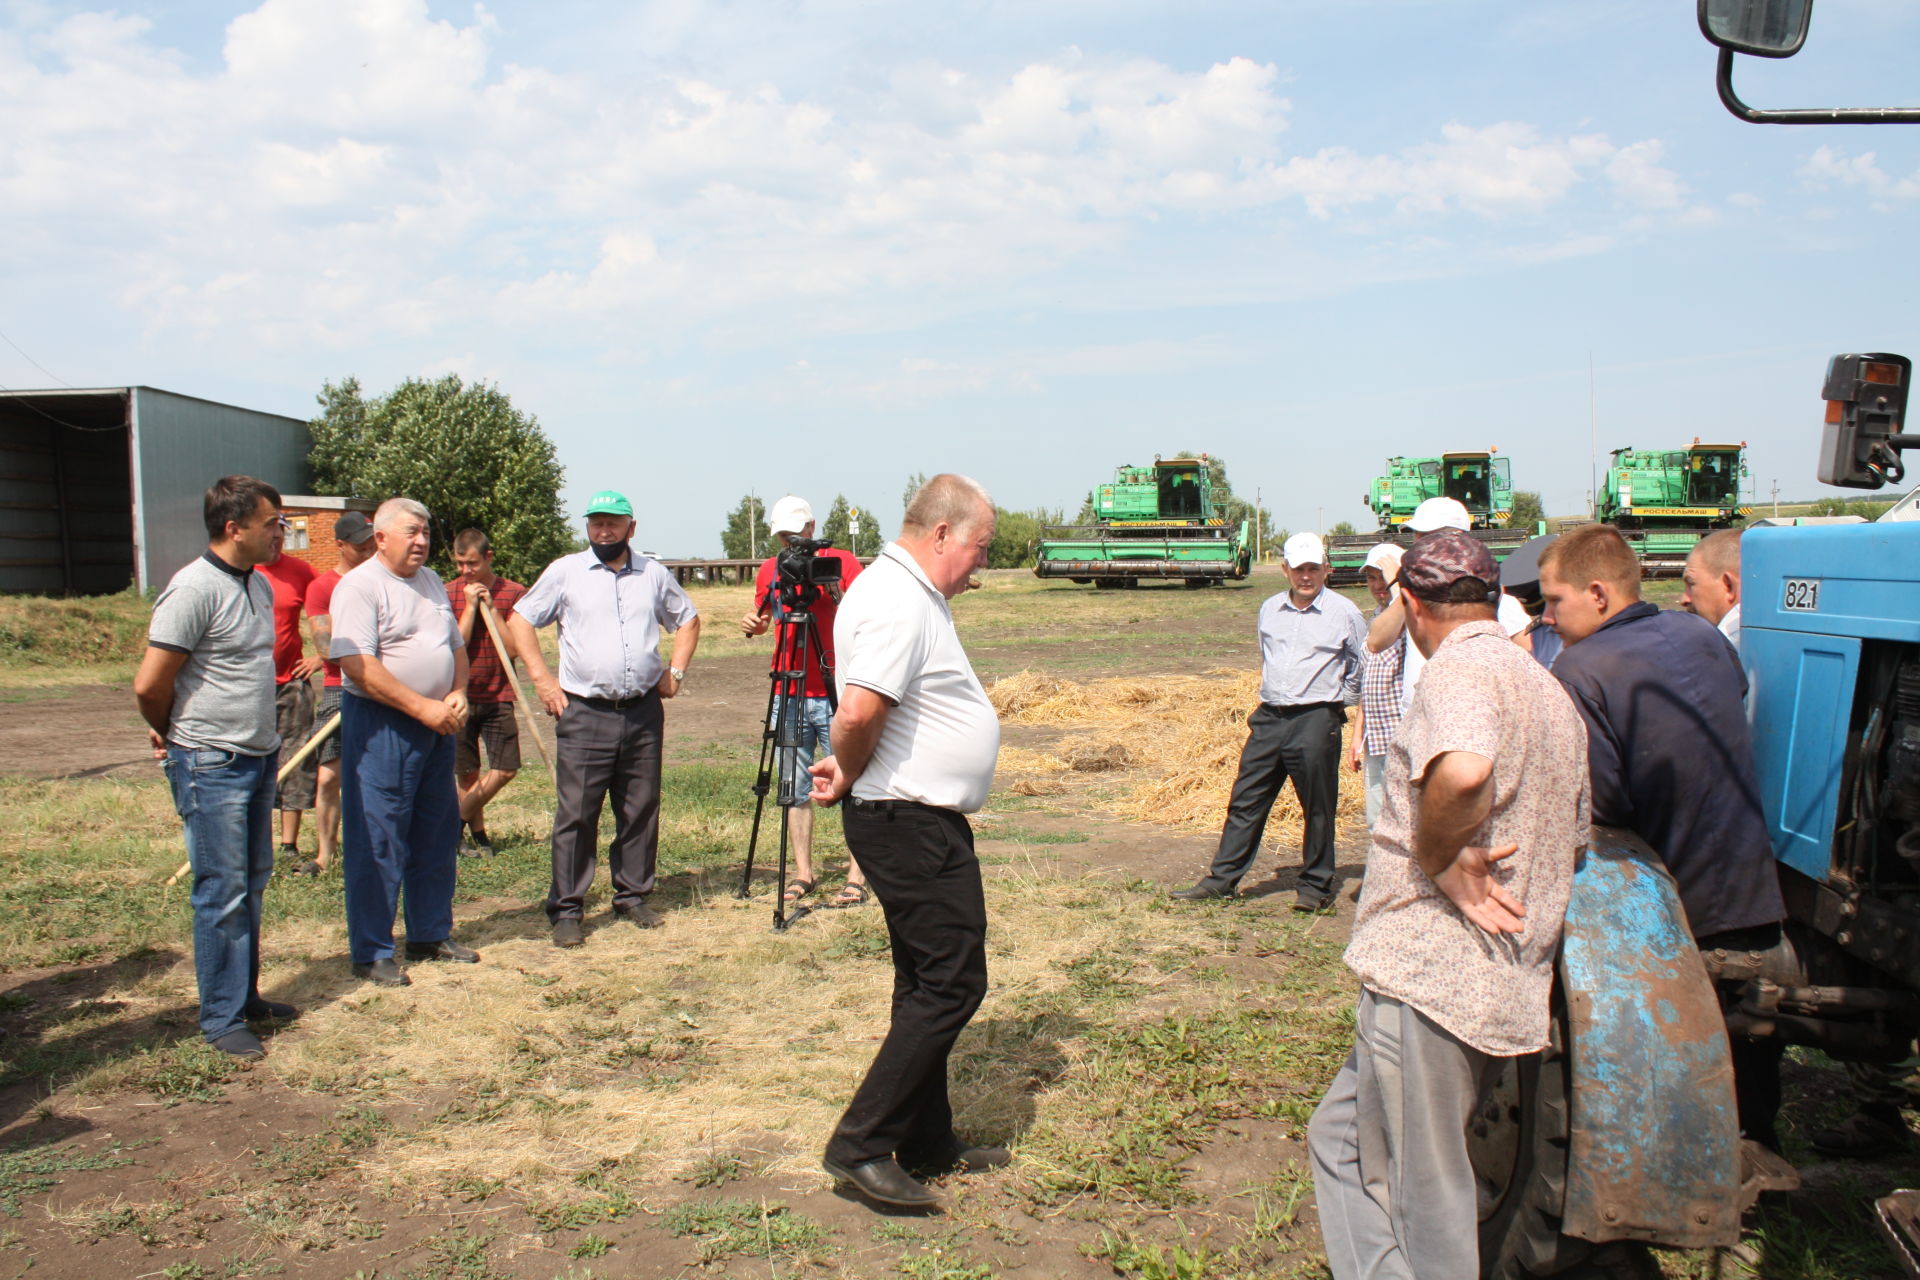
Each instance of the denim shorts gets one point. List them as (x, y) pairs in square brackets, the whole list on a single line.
[(810, 741)]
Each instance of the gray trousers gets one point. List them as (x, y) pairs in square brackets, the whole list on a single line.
[(600, 751), (1301, 743), (1388, 1143)]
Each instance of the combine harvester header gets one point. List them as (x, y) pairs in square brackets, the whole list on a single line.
[(1160, 521)]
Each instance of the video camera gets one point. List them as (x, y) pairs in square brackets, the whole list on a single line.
[(801, 570)]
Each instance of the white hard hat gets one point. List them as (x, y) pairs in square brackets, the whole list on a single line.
[(789, 515), (1384, 554), (1304, 548), (1439, 513)]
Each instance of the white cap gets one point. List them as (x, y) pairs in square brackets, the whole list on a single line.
[(1439, 513), (1384, 554), (789, 515), (1304, 548)]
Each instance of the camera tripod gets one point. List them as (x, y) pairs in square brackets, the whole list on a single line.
[(796, 637)]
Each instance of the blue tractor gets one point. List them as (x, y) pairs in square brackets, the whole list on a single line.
[(1625, 1129)]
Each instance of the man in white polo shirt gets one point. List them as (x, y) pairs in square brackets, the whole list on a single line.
[(405, 697), (914, 747)]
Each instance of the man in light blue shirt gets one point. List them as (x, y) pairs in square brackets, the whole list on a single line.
[(1313, 644), (611, 604)]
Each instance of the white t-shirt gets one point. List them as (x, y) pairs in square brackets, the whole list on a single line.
[(1509, 613), (894, 635), (404, 622)]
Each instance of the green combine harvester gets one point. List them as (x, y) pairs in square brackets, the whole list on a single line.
[(1150, 522), (1480, 482), (1665, 500)]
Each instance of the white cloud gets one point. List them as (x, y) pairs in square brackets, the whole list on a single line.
[(353, 169), (1828, 167)]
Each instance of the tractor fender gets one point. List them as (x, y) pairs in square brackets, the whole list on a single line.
[(1654, 1152)]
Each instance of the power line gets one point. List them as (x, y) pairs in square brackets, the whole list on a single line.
[(35, 363)]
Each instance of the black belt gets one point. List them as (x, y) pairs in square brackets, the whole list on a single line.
[(1288, 709), (887, 808), (609, 704)]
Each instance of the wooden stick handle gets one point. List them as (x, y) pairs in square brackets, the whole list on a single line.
[(311, 745), (492, 620)]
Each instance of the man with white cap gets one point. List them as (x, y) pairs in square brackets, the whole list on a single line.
[(792, 519), (612, 603), (1389, 625), (1312, 645)]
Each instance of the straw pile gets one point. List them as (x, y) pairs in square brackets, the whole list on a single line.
[(1171, 746)]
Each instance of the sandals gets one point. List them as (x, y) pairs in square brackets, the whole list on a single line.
[(854, 895), (796, 890), (308, 868)]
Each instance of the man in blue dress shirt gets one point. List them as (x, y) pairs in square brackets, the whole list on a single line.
[(612, 604), (1313, 644)]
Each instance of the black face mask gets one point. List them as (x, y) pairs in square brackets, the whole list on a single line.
[(609, 551)]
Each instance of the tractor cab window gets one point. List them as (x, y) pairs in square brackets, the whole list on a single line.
[(1180, 495)]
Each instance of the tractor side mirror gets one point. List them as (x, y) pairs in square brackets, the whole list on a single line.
[(1764, 28), (1866, 404)]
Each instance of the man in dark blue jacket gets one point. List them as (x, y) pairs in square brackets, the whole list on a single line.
[(1663, 695)]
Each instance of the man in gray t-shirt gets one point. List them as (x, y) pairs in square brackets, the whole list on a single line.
[(205, 689), (404, 669)]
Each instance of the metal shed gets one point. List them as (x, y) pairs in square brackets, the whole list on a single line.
[(102, 488)]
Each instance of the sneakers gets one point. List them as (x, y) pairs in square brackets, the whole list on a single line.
[(475, 844), (567, 932)]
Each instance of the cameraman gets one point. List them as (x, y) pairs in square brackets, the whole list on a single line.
[(792, 519)]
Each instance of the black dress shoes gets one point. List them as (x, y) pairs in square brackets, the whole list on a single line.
[(445, 949), (384, 972), (1200, 893), (259, 1010), (885, 1181), (640, 915), (960, 1157)]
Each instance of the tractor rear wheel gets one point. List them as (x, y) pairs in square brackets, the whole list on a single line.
[(1519, 1143)]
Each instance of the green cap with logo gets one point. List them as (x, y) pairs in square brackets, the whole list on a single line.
[(609, 503)]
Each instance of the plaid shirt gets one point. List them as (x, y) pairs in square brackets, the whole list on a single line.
[(1381, 679), (488, 680)]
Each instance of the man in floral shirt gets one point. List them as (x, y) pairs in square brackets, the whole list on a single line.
[(1460, 913)]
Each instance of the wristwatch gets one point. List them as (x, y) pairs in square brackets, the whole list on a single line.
[(677, 674)]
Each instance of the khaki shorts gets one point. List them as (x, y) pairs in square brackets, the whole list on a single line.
[(293, 708)]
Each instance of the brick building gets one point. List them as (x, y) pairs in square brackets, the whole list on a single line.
[(310, 519)]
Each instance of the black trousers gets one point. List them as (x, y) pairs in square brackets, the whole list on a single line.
[(921, 864), (600, 751), (1301, 743)]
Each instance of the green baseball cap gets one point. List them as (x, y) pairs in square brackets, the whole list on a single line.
[(608, 503)]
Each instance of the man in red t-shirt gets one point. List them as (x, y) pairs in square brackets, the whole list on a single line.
[(792, 518), (293, 695), (490, 687), (353, 538)]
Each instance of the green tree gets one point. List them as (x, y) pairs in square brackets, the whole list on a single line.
[(746, 536), (1528, 510), (839, 516), (914, 484), (464, 451), (1016, 536), (1341, 529)]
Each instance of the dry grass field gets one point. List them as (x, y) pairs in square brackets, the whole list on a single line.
[(655, 1103)]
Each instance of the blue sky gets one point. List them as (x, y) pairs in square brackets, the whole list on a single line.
[(823, 246)]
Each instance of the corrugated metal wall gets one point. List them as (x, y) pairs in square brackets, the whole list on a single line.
[(182, 446)]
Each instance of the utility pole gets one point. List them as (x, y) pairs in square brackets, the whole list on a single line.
[(753, 526), (1593, 445), (1776, 497), (1259, 547)]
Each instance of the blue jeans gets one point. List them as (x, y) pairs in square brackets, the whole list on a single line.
[(799, 744), (225, 801), (399, 826)]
